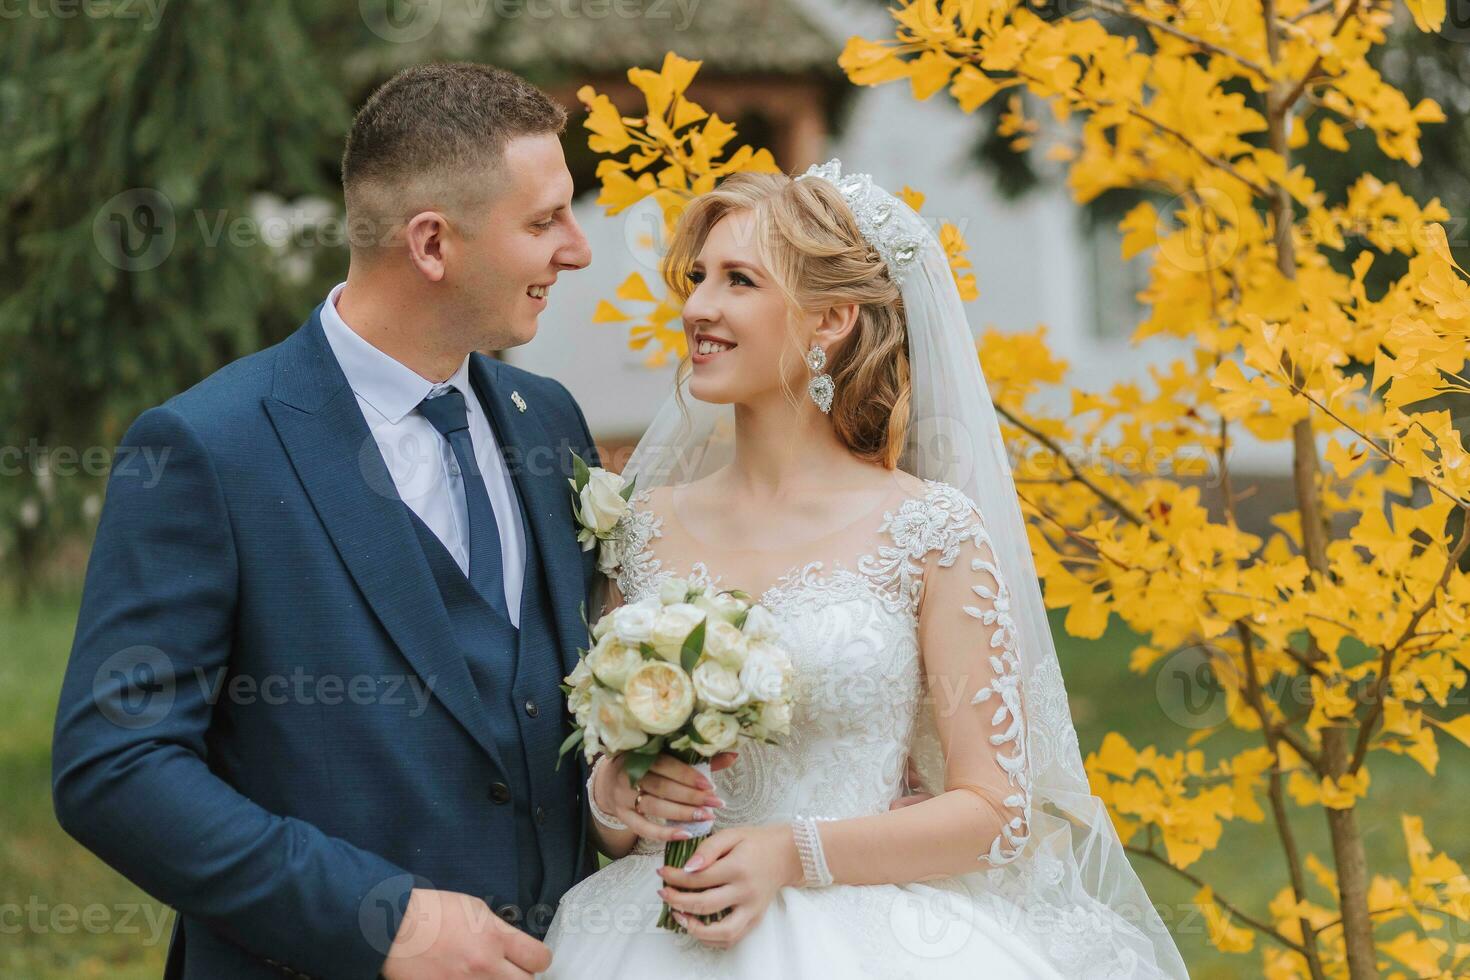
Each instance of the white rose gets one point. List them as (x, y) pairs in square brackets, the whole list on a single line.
[(633, 624), (601, 501), (673, 591), (721, 605), (718, 730), (579, 702), (660, 696), (766, 675), (580, 674), (774, 719), (724, 643), (718, 686), (614, 723), (760, 624), (611, 662), (610, 555), (673, 627)]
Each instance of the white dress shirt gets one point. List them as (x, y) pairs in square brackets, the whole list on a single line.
[(419, 459)]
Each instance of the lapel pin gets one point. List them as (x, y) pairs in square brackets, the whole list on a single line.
[(518, 401)]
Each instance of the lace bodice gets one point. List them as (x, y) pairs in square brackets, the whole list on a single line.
[(853, 628)]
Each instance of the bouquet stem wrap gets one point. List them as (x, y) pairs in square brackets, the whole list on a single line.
[(678, 852)]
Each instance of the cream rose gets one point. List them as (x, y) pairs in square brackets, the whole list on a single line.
[(611, 662), (673, 591), (760, 624), (614, 722), (766, 675), (718, 730), (774, 718), (673, 627), (724, 643), (600, 502), (633, 624), (660, 696), (721, 606), (718, 686)]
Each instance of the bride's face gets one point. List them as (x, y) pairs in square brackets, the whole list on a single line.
[(735, 320)]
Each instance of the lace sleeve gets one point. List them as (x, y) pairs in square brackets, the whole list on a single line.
[(968, 642)]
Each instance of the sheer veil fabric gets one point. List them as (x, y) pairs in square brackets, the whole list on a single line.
[(1071, 890)]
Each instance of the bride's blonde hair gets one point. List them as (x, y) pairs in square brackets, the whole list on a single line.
[(809, 242)]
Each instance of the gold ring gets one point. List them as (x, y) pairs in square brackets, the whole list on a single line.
[(637, 799)]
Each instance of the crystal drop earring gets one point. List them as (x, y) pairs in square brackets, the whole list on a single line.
[(821, 387)]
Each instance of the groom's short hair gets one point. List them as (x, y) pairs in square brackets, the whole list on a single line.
[(434, 136)]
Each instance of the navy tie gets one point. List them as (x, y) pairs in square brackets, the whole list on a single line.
[(448, 414)]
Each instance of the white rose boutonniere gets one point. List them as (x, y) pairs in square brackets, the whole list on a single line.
[(599, 503)]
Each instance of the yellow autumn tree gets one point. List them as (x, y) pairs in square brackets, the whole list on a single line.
[(1341, 633)]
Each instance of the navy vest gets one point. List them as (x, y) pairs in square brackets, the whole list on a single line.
[(516, 673)]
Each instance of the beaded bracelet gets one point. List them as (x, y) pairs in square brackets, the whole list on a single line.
[(809, 847)]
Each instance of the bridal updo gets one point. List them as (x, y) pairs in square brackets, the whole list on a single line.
[(809, 242)]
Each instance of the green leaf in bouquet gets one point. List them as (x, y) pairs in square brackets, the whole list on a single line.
[(740, 594), (566, 746), (649, 653), (641, 759), (693, 735), (580, 472), (693, 647), (740, 619), (628, 489)]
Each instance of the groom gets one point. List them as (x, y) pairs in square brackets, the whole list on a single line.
[(313, 698)]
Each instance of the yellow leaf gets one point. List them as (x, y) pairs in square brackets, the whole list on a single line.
[(1428, 14), (972, 88), (929, 73), (1459, 727), (1116, 757), (634, 288), (607, 313), (1140, 227), (1222, 935), (1330, 135), (870, 63)]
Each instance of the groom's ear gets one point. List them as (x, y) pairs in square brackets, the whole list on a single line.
[(425, 236), (836, 323)]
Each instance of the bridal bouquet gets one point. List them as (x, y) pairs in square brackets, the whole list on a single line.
[(688, 672)]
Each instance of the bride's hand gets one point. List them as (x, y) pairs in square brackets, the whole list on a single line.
[(740, 869), (672, 790)]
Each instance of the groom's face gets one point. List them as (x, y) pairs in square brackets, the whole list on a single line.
[(528, 237)]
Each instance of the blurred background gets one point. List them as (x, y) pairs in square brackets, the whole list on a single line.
[(205, 137)]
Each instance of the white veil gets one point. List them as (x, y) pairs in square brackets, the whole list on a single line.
[(1071, 890)]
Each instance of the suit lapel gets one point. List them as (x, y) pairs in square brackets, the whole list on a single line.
[(337, 459), (541, 470)]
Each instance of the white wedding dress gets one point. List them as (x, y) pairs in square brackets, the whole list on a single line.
[(852, 626)]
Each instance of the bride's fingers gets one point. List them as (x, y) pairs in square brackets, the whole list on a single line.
[(707, 902), (681, 772), (665, 788), (655, 806), (649, 830), (721, 933), (722, 760)]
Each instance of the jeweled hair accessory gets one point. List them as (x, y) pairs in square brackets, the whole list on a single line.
[(889, 225)]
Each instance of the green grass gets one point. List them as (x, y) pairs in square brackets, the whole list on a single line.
[(64, 914)]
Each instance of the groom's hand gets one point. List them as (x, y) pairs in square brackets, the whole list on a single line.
[(449, 934)]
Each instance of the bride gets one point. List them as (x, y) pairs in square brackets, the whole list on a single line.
[(841, 462)]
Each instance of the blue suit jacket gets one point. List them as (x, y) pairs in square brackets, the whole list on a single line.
[(244, 729)]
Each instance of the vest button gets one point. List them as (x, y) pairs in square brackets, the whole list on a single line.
[(531, 709), (540, 814), (500, 793), (509, 912)]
